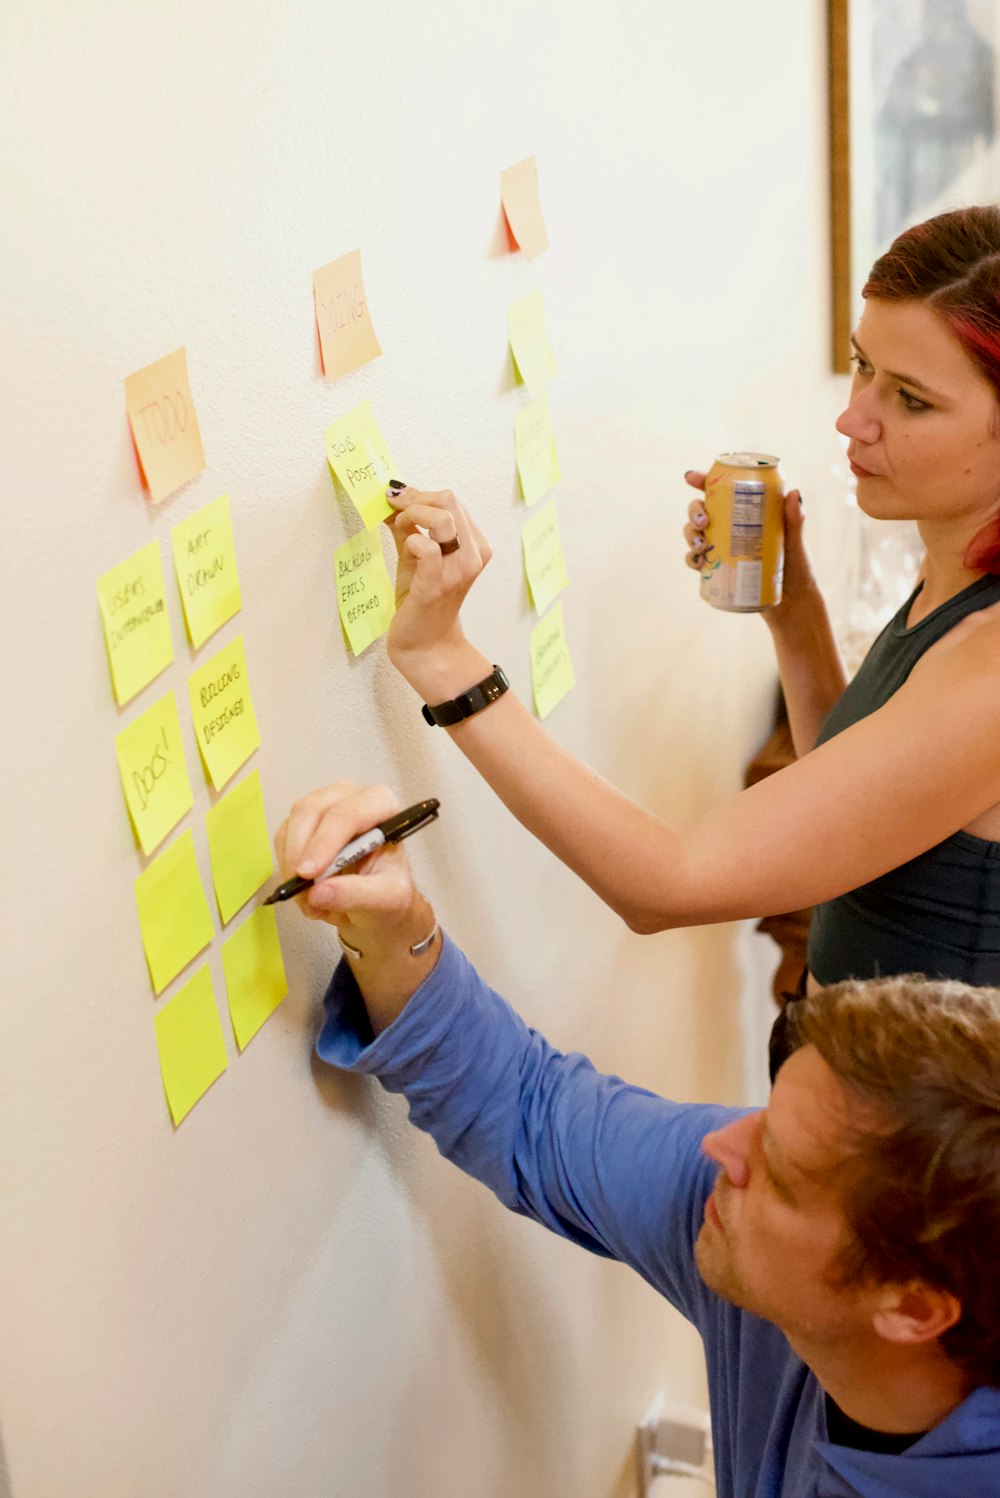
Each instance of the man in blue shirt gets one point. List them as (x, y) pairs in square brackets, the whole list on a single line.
[(837, 1250)]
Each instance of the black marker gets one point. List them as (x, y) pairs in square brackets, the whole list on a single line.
[(392, 830)]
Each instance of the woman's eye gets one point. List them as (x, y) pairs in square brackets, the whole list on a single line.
[(913, 402), (859, 364)]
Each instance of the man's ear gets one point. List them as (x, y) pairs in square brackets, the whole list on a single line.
[(913, 1313)]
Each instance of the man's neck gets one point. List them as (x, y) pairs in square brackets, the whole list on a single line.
[(887, 1387)]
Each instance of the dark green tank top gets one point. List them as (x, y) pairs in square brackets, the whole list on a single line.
[(939, 914)]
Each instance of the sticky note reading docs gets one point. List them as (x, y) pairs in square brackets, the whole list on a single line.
[(551, 668), (534, 361), (255, 974), (164, 425), (359, 456), (544, 563), (346, 336), (191, 1044), (523, 211), (365, 596), (205, 563), (535, 450), (154, 774), (225, 723), (239, 845), (132, 598), (174, 917)]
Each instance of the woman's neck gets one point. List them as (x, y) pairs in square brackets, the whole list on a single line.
[(943, 574)]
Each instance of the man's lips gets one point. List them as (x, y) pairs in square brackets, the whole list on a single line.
[(712, 1213)]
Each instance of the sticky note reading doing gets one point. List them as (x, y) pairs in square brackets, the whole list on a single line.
[(205, 563), (519, 194), (132, 598), (535, 449), (365, 596), (346, 336), (190, 1043), (255, 974), (154, 775), (225, 724), (358, 455), (534, 361), (544, 564), (551, 668), (174, 918), (239, 845), (164, 425)]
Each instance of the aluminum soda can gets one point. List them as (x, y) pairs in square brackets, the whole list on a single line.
[(745, 537)]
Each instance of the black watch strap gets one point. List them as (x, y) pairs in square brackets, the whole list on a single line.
[(467, 703)]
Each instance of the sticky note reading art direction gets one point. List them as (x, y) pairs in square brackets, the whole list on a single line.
[(239, 845), (225, 724), (346, 336), (534, 361), (365, 595), (535, 448), (205, 563), (358, 455), (519, 194), (164, 425), (191, 1044), (551, 668), (255, 974), (154, 775), (132, 598), (174, 917), (544, 564)]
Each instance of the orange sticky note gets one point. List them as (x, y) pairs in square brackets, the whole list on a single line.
[(519, 195), (346, 336), (164, 425)]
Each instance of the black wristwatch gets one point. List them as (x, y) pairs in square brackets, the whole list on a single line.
[(467, 703)]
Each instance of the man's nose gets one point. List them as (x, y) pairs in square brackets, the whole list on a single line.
[(730, 1147)]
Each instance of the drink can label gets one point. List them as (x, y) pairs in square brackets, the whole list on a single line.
[(745, 537)]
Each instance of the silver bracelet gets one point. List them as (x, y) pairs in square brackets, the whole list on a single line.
[(417, 950)]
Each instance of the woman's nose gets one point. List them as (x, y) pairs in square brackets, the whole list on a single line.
[(859, 420)]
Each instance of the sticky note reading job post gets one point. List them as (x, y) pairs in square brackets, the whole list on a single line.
[(534, 361), (154, 775), (365, 595), (255, 974), (551, 668), (164, 425), (519, 194), (346, 336), (190, 1043), (239, 845), (358, 455), (225, 723), (205, 563), (132, 597), (544, 564), (535, 449), (174, 917)]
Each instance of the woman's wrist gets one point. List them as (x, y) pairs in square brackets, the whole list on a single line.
[(441, 672)]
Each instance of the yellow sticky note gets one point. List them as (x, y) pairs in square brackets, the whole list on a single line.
[(255, 974), (523, 211), (174, 917), (551, 668), (154, 774), (534, 361), (191, 1044), (346, 336), (365, 595), (544, 563), (225, 724), (164, 424), (239, 845), (535, 449), (133, 603), (359, 456), (205, 563)]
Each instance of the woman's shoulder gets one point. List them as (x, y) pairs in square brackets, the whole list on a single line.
[(970, 650)]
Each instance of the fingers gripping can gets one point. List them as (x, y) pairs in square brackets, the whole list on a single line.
[(745, 537)]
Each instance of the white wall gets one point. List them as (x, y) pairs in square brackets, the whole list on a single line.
[(292, 1294)]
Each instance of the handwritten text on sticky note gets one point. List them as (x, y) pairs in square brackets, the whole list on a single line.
[(535, 450), (132, 598), (225, 723), (174, 918), (519, 194), (552, 673), (190, 1044), (205, 563), (154, 775), (346, 336), (164, 424), (359, 456), (534, 361), (544, 564), (365, 597)]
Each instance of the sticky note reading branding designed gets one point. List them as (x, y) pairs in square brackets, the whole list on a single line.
[(190, 1043), (551, 668), (225, 724), (365, 595), (174, 917), (154, 775), (346, 336), (255, 973), (239, 845), (132, 598), (205, 563), (544, 564), (534, 361), (535, 449), (359, 456), (523, 211), (164, 425)]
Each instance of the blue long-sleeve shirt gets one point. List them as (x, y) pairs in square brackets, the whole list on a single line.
[(621, 1172)]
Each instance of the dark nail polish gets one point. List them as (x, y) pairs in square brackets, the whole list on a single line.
[(397, 486)]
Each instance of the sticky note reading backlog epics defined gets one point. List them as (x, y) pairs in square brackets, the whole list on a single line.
[(132, 598), (346, 336), (205, 563), (534, 361), (255, 974), (239, 845), (544, 564), (164, 425), (519, 194), (225, 724), (358, 455), (535, 449), (551, 668), (190, 1043), (174, 917), (365, 595), (154, 774)]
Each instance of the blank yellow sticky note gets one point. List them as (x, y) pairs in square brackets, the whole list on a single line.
[(551, 668), (205, 563), (154, 774), (519, 194), (535, 448), (174, 917), (346, 336), (164, 424), (239, 845), (534, 361), (255, 973), (225, 724), (365, 595), (544, 563), (133, 603), (191, 1044), (359, 456)]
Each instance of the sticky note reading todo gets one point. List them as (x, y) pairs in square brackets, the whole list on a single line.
[(359, 456), (205, 563), (225, 723), (535, 449), (523, 211), (133, 603), (154, 774), (365, 595), (544, 563), (534, 361), (239, 845), (174, 917), (190, 1043), (164, 424), (551, 668), (346, 336), (255, 973)]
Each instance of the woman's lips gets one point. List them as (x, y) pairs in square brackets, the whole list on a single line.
[(861, 473)]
